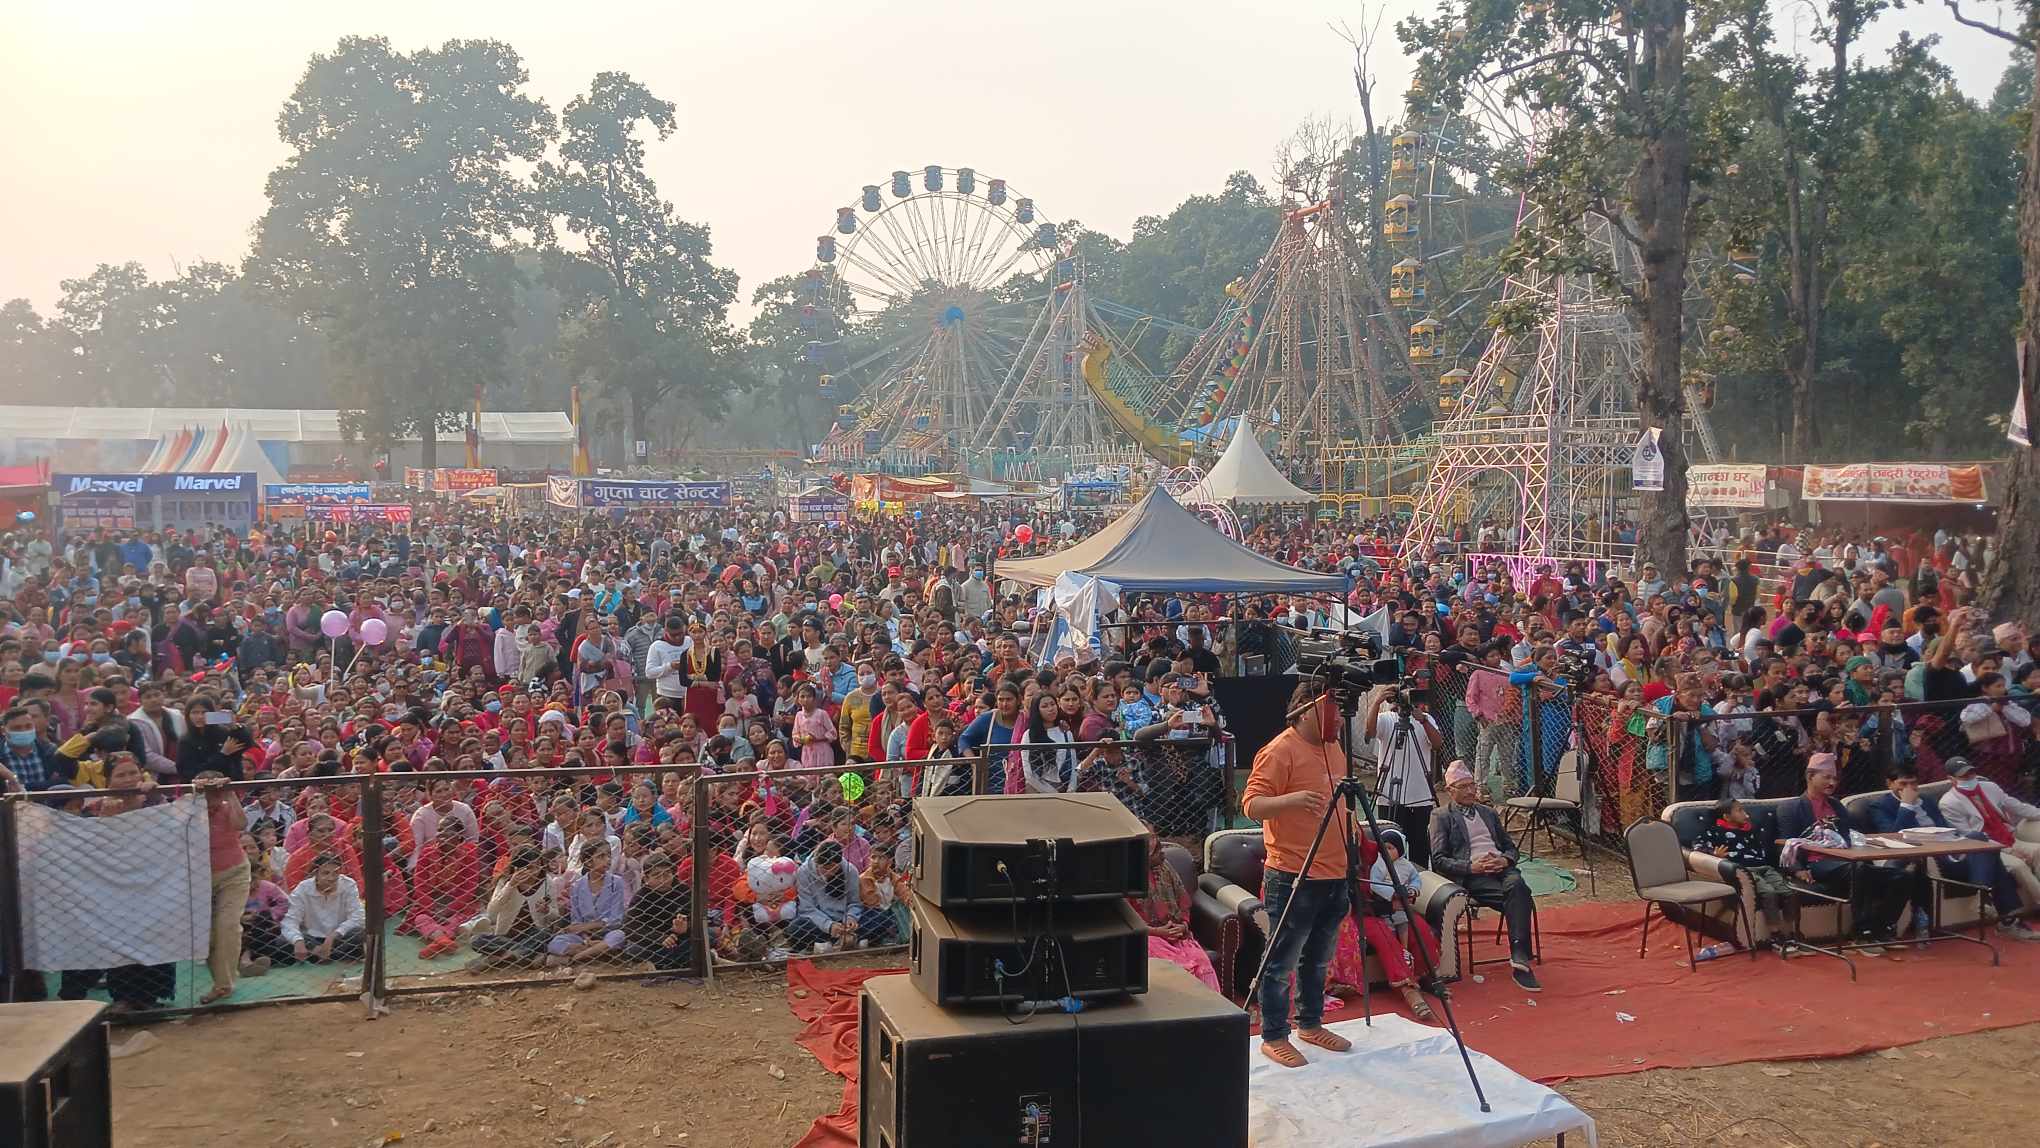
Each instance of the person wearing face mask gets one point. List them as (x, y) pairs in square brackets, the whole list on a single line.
[(27, 762), (975, 597), (1979, 808)]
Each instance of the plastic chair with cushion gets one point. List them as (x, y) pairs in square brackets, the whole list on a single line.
[(1657, 864), (1565, 803)]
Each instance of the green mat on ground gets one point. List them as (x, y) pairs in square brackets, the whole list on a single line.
[(1546, 879), (285, 981)]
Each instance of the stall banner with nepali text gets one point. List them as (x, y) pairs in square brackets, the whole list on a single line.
[(1726, 484), (602, 493), (452, 479), (1916, 482), (317, 492)]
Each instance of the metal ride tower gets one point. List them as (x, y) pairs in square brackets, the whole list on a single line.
[(1442, 221), (1537, 438), (1287, 352)]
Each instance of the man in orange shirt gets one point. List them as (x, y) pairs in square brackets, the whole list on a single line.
[(1286, 792)]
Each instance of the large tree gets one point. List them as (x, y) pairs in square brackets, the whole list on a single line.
[(1624, 132), (205, 338), (643, 308), (2011, 585), (39, 359), (1814, 112), (115, 318), (391, 224)]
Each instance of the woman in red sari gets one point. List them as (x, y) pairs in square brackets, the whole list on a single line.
[(704, 678), (1166, 909), (1388, 932)]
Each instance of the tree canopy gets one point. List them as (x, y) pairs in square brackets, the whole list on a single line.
[(1830, 239)]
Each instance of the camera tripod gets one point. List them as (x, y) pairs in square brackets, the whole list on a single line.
[(1351, 793)]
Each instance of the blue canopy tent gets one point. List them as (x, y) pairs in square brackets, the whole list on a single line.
[(1160, 546)]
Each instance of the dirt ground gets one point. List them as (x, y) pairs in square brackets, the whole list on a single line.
[(634, 1065), (604, 1069)]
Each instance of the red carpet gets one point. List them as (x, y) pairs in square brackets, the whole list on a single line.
[(1731, 1010)]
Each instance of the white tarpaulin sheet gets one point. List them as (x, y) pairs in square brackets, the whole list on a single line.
[(97, 892), (1402, 1085), (1076, 601)]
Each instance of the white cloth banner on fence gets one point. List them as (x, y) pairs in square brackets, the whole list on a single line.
[(98, 892)]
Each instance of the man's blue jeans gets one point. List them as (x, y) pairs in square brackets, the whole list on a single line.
[(1310, 933)]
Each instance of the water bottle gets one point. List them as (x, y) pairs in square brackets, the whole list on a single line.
[(1713, 951)]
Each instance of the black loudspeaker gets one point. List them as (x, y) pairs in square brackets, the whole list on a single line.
[(954, 957), (54, 1090), (1169, 1067), (1015, 848)]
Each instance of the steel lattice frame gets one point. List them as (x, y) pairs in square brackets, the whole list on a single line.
[(1299, 310), (1558, 438), (1560, 441)]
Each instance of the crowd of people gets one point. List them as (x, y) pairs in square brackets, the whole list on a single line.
[(598, 693), (834, 672)]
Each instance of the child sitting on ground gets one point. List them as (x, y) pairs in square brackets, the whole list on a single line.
[(1732, 838), (655, 925)]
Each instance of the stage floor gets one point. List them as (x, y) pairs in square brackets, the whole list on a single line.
[(1402, 1085)]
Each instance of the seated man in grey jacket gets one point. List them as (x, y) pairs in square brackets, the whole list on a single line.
[(1469, 846)]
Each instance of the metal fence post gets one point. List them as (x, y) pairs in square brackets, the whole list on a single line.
[(1887, 732), (697, 893), (376, 907), (1534, 706), (13, 953), (981, 770), (1675, 743)]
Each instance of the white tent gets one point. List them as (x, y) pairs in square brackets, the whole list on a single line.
[(244, 454), (1243, 476)]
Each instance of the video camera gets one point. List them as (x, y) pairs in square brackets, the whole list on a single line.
[(1350, 662)]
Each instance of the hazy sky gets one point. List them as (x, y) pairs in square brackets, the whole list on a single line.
[(144, 130)]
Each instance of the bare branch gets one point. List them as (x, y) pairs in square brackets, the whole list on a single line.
[(1955, 8), (1547, 58), (1613, 215)]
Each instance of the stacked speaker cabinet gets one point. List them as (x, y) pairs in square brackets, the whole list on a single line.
[(1032, 1015), (1166, 1067), (54, 1090)]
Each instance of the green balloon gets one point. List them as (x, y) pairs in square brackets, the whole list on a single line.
[(853, 786)]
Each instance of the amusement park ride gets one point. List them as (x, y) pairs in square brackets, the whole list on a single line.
[(962, 320)]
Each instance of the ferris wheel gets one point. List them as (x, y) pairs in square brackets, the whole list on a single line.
[(924, 295)]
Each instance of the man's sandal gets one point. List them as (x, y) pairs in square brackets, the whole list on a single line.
[(1324, 1038), (1283, 1053)]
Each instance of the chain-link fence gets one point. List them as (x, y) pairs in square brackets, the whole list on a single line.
[(1764, 753), (1526, 736), (564, 872), (810, 862), (390, 884), (160, 899)]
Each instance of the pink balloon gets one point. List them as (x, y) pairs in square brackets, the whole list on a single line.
[(333, 623), (375, 631), (835, 601)]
